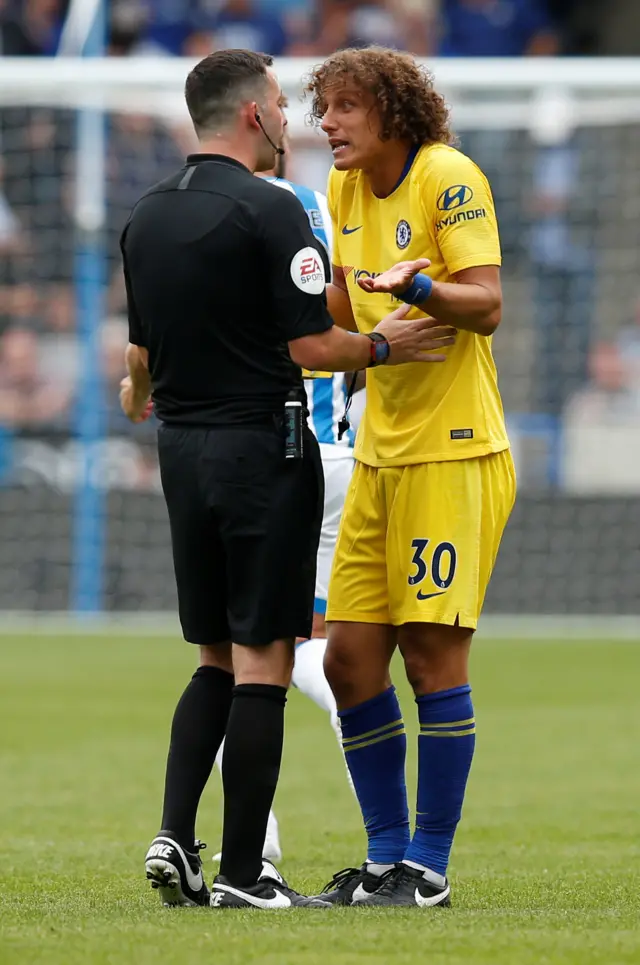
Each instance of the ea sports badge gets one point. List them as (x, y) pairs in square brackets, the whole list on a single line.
[(403, 234), (307, 271)]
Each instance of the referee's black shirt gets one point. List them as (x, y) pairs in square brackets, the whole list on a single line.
[(222, 270)]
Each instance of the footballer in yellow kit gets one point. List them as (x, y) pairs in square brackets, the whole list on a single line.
[(414, 222), (402, 557)]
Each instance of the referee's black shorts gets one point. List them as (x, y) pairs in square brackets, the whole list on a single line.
[(245, 525)]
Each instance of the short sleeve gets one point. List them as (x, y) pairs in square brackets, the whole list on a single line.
[(297, 266), (136, 331), (462, 208), (332, 203)]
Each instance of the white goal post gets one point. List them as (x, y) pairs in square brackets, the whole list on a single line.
[(515, 92)]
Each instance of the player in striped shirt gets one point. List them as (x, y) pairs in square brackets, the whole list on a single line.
[(326, 393)]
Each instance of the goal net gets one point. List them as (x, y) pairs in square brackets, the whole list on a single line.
[(82, 520)]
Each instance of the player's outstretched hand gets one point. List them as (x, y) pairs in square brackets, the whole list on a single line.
[(135, 408), (394, 280), (416, 340)]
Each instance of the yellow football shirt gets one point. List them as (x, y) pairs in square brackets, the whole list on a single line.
[(441, 210)]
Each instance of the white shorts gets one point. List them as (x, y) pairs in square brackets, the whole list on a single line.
[(337, 476)]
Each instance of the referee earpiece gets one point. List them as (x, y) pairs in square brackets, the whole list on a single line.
[(277, 149)]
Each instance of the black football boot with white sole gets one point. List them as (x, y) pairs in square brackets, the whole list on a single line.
[(270, 893), (407, 887), (350, 886), (176, 873)]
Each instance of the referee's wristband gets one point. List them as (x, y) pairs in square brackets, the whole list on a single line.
[(379, 349), (418, 291)]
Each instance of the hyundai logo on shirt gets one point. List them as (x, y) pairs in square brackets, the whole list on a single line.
[(455, 197)]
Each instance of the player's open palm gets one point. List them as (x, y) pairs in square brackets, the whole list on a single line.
[(394, 280), (417, 340)]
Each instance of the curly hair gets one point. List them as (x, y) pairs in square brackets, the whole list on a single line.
[(409, 107)]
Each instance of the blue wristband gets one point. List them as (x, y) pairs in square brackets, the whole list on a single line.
[(418, 291)]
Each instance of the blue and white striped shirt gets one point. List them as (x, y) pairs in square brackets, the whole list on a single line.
[(325, 395)]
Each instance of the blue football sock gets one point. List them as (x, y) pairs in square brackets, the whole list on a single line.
[(375, 746), (445, 751)]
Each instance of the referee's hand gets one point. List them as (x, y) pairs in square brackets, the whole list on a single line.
[(135, 407), (416, 340)]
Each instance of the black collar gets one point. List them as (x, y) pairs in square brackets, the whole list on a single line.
[(218, 158)]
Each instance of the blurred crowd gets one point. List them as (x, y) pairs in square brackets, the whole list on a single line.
[(39, 345), (313, 27)]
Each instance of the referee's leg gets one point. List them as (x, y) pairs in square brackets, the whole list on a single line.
[(308, 673), (252, 755), (173, 864), (270, 520)]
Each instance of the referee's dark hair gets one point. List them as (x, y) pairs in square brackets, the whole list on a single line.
[(219, 84)]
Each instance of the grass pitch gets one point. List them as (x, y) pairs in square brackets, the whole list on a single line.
[(545, 870)]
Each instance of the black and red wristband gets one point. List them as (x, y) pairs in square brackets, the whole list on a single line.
[(379, 350)]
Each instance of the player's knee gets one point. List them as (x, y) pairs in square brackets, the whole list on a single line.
[(217, 655), (419, 670), (430, 678), (342, 673), (272, 664), (337, 665), (350, 681), (435, 656)]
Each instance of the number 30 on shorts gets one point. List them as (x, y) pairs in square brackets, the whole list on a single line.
[(443, 565)]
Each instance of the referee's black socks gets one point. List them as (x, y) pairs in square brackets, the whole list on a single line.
[(198, 728), (250, 770)]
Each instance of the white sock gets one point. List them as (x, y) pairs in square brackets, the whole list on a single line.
[(308, 674), (431, 876), (378, 869), (219, 758), (309, 678), (272, 847)]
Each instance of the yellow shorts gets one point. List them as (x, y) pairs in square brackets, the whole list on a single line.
[(417, 544)]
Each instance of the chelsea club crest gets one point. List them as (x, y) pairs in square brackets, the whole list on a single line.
[(403, 234)]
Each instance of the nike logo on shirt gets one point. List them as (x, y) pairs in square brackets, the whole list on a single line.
[(427, 596), (349, 231)]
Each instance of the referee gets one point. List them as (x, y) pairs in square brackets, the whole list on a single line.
[(225, 287)]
